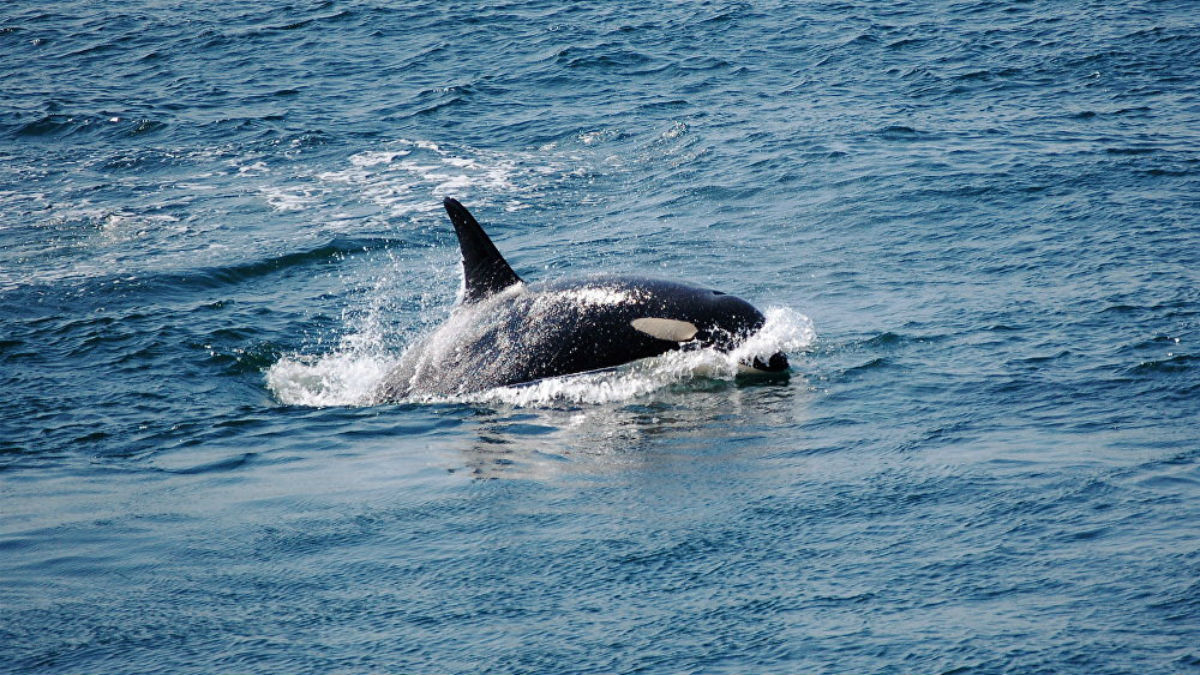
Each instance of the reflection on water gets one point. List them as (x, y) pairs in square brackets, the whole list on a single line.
[(705, 418)]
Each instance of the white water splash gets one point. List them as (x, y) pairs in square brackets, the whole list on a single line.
[(592, 296), (337, 379), (350, 375), (353, 373)]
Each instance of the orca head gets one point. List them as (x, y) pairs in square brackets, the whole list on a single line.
[(710, 319)]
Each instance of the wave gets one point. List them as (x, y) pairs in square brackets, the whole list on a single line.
[(168, 223), (110, 126), (337, 249)]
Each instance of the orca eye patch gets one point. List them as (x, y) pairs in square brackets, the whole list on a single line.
[(671, 330)]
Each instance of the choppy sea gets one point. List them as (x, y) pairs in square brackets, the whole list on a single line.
[(976, 224)]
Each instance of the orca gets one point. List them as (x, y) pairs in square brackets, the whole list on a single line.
[(505, 332)]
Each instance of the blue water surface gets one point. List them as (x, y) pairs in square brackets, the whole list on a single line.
[(220, 224)]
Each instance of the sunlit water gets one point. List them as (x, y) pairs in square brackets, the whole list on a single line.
[(975, 228)]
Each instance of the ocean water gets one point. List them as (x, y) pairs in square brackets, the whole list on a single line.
[(975, 227)]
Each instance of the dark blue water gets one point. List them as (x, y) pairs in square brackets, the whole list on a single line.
[(977, 225)]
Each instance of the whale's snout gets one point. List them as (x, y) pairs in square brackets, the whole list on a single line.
[(776, 363)]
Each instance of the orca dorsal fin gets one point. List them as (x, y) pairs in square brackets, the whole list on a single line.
[(485, 271)]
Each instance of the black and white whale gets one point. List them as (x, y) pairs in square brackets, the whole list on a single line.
[(506, 332)]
